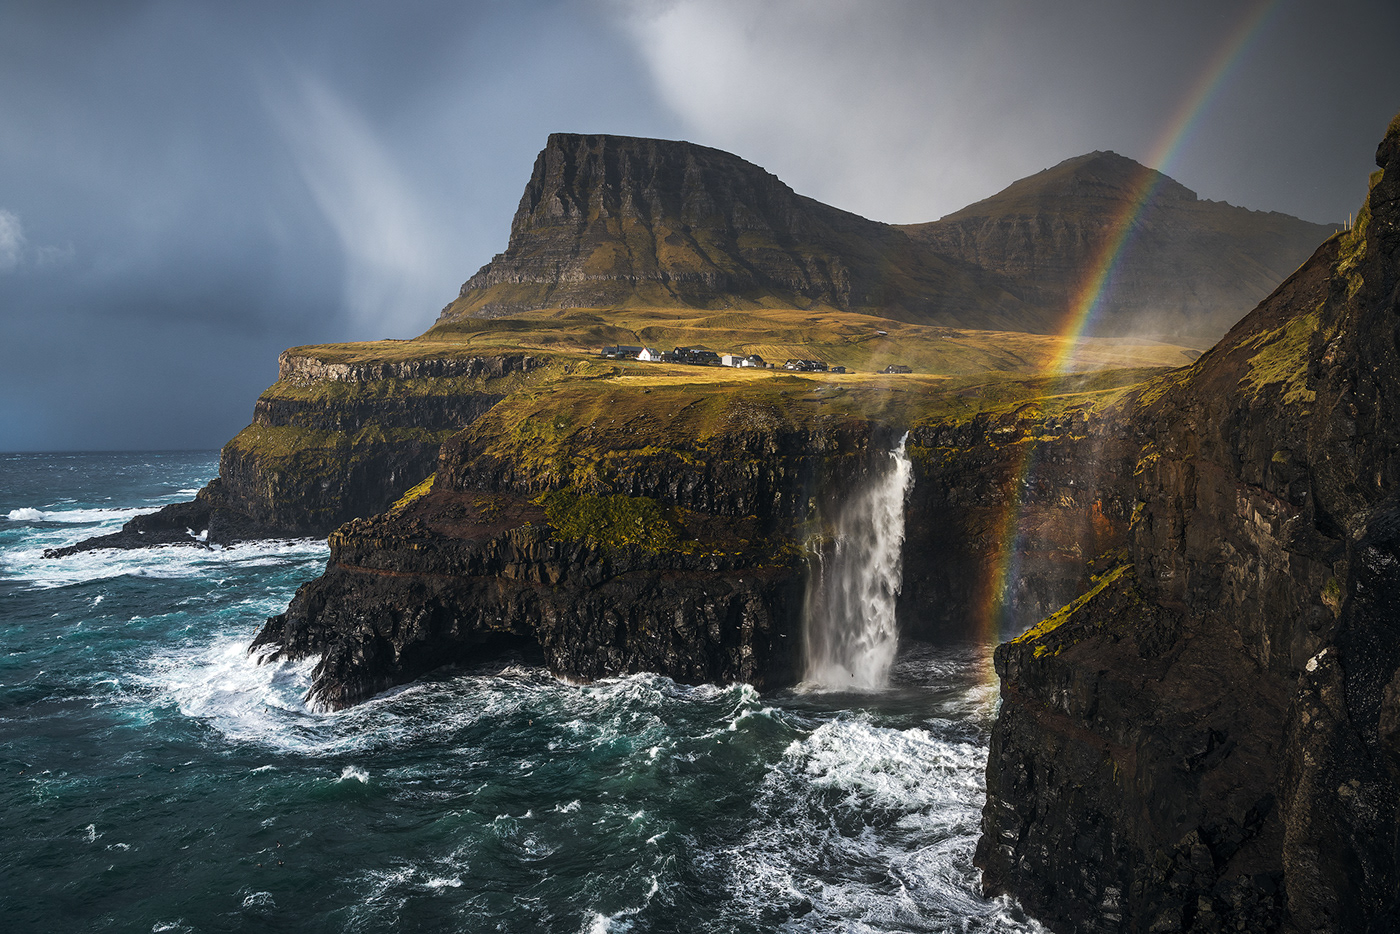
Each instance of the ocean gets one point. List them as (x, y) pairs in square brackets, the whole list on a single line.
[(156, 778)]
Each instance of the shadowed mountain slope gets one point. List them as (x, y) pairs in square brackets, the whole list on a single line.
[(610, 220), (1190, 268)]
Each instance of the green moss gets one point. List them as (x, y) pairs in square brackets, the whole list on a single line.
[(1282, 359), (611, 521), (1051, 623), (416, 493), (1332, 596), (1353, 242)]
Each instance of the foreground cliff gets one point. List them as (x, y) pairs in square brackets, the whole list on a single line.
[(1208, 738)]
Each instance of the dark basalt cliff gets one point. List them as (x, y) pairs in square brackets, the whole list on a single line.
[(613, 220), (335, 438), (1190, 268), (620, 544), (1209, 738)]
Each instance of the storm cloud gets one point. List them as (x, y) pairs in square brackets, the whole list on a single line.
[(187, 188)]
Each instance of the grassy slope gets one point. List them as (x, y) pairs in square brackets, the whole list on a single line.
[(575, 414), (836, 337)]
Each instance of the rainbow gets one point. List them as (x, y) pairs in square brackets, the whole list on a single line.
[(1089, 300)]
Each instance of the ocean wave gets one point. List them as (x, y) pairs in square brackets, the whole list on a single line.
[(862, 826), (27, 562), (77, 516)]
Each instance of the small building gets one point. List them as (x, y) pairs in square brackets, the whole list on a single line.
[(896, 368), (806, 366), (731, 359), (649, 355), (621, 352), (753, 360), (837, 369), (695, 356)]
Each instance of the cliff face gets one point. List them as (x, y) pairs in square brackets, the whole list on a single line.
[(613, 220), (1190, 268), (341, 434), (614, 529), (1207, 739), (334, 440)]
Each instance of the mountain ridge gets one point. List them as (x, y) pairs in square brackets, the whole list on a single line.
[(608, 220), (612, 221), (1189, 267)]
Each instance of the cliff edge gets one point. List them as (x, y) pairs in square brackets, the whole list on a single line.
[(1209, 738)]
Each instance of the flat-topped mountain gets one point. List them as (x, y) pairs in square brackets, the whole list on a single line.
[(614, 220), (1188, 268), (609, 221)]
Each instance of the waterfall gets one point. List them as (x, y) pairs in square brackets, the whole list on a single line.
[(850, 625)]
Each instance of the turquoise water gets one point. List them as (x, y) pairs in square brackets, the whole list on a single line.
[(155, 778)]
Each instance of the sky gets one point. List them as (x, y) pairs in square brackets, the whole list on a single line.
[(187, 187)]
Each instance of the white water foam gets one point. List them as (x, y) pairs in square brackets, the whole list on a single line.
[(900, 808), (850, 614), (161, 562), (353, 773), (76, 516)]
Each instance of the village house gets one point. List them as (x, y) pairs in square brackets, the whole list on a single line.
[(620, 352), (807, 366), (896, 368), (649, 355), (692, 355)]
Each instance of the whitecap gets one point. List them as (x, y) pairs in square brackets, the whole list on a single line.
[(259, 900), (162, 562), (76, 516), (351, 772)]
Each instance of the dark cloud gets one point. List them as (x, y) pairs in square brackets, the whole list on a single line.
[(188, 187)]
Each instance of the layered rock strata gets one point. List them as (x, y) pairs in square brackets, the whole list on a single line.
[(612, 220), (1189, 267), (330, 441), (1207, 739), (608, 221), (479, 565)]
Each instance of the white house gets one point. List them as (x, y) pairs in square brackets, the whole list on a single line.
[(732, 359), (649, 355)]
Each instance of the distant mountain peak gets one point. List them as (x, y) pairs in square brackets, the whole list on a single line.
[(615, 220), (1102, 175), (611, 221)]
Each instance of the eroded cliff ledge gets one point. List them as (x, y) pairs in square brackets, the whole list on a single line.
[(1209, 739), (341, 434), (666, 525)]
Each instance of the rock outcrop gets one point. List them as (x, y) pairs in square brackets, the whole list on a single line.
[(1206, 740), (1188, 270), (343, 432)]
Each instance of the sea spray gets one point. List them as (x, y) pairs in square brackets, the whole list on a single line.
[(850, 614)]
